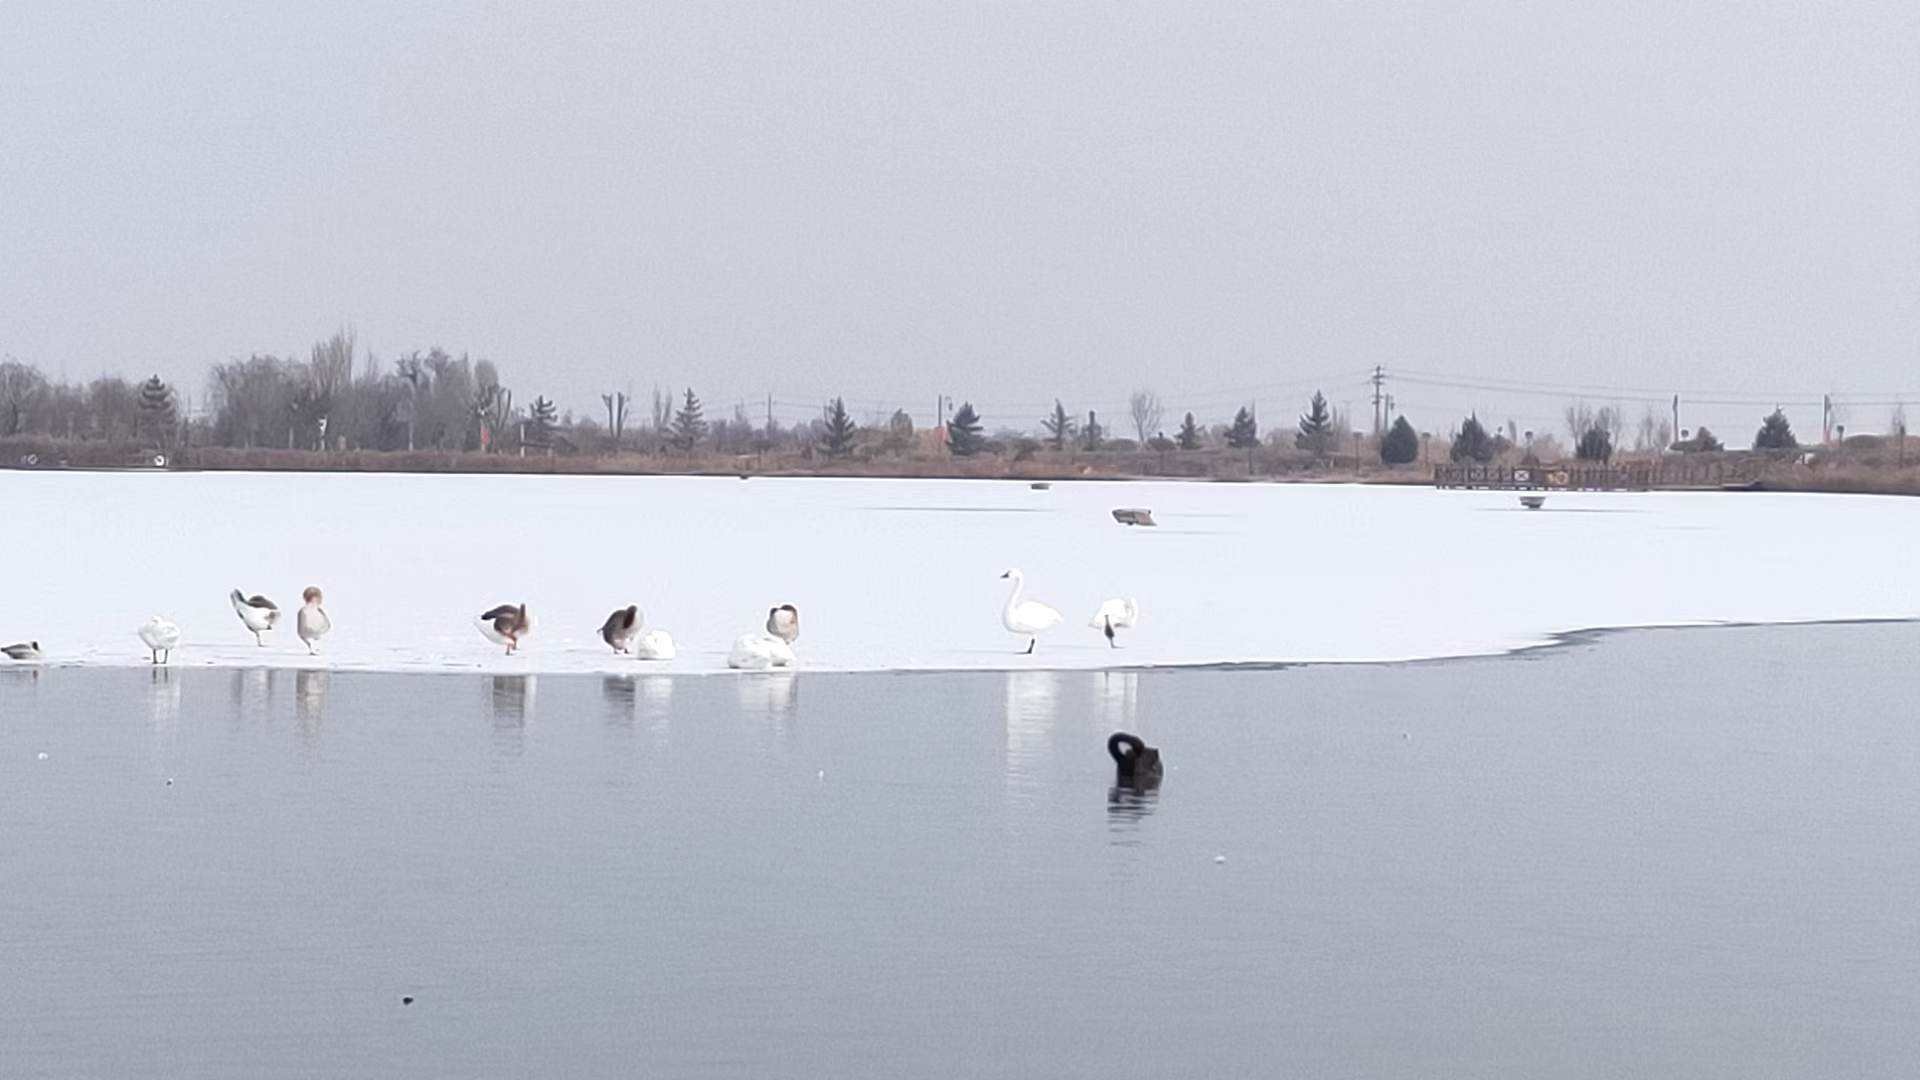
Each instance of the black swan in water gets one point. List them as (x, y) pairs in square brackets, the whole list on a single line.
[(1134, 761)]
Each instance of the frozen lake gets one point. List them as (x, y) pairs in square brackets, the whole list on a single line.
[(904, 575), (1671, 853)]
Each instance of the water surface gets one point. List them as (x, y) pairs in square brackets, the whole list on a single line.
[(1666, 853)]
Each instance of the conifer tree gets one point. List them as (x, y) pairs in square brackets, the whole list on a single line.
[(1472, 444), (156, 410), (1595, 445), (963, 431), (1245, 432), (839, 428), (1093, 434), (1775, 433), (689, 427), (1059, 425), (1189, 437), (542, 417), (1316, 427), (1402, 444)]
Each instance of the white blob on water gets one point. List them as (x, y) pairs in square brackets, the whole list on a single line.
[(43, 755), (1218, 859), (821, 775)]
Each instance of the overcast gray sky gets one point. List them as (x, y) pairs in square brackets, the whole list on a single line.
[(1001, 202)]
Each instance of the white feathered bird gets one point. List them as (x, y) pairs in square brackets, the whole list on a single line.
[(783, 622), (758, 652), (257, 613), (161, 636), (312, 623), (654, 645), (1117, 613), (1027, 618)]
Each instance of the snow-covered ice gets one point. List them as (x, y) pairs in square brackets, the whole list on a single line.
[(905, 574)]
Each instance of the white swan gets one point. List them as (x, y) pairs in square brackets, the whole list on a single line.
[(1027, 618), (758, 652), (25, 651), (160, 636), (1118, 613), (654, 645), (257, 613), (312, 623)]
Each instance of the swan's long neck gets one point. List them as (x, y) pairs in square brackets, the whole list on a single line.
[(1013, 597)]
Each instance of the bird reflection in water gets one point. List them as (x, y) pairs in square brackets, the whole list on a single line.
[(512, 697), (771, 694), (252, 690), (656, 703), (1032, 703), (1130, 801), (617, 692), (1117, 694), (309, 701), (163, 717)]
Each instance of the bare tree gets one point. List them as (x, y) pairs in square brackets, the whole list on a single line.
[(1144, 407), (616, 415), (21, 388)]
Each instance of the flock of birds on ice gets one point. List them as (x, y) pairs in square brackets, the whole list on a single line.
[(506, 624)]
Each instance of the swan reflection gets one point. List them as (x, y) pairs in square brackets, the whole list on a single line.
[(1129, 803), (309, 700), (656, 702), (1031, 705), (1117, 696), (252, 691), (768, 693), (163, 716)]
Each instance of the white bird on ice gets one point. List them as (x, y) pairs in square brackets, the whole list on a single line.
[(654, 645), (758, 652), (312, 623), (257, 613), (160, 636), (1027, 618), (29, 650), (1118, 613)]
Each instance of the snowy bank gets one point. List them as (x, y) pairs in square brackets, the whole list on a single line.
[(904, 574)]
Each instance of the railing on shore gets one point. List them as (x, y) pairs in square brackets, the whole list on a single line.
[(1639, 476)]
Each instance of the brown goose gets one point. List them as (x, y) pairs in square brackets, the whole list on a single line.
[(620, 627), (504, 625)]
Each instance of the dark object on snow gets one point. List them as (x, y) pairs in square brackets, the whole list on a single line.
[(1133, 516), (1533, 502)]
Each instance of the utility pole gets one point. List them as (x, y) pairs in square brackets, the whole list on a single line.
[(1379, 381), (1826, 419), (1676, 419)]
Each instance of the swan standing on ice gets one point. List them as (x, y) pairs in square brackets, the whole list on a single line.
[(312, 623), (620, 627), (758, 652), (783, 622), (1027, 618), (654, 645), (504, 624), (257, 613), (1119, 613), (160, 636), (28, 651)]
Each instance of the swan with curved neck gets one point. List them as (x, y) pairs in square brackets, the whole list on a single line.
[(1027, 618), (1134, 762)]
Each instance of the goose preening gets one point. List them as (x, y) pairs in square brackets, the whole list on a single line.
[(1134, 761), (1027, 618), (758, 652), (620, 627), (505, 624), (1119, 613), (654, 645), (257, 613), (161, 637), (783, 622), (28, 651), (312, 623)]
